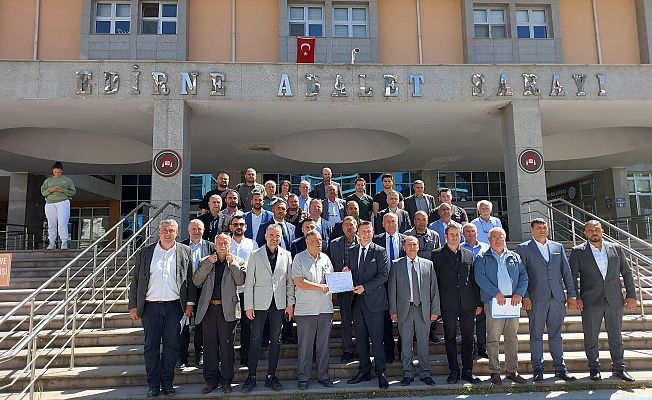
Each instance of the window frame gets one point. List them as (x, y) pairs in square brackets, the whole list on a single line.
[(112, 19), (531, 25), (306, 21), (160, 19), (350, 23), (489, 24)]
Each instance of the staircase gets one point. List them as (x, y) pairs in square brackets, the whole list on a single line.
[(99, 354)]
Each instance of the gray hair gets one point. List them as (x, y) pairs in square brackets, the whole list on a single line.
[(485, 202), (170, 221), (312, 232), (196, 221), (496, 229), (274, 226), (390, 215)]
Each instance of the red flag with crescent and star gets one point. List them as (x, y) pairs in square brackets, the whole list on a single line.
[(305, 50)]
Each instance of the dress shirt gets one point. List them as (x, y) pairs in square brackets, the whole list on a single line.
[(421, 203), (544, 249), (163, 275), (195, 249), (504, 280), (304, 204), (411, 278), (272, 258), (255, 224), (397, 243), (333, 213), (477, 249), (312, 302), (243, 250), (485, 226), (601, 259)]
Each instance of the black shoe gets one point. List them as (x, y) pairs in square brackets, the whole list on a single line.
[(565, 375), (453, 378), (182, 364), (226, 387), (595, 375), (273, 383), (208, 388), (152, 393), (382, 381), (434, 338), (249, 384), (327, 383), (538, 377), (302, 385), (469, 377), (244, 362), (169, 390), (346, 357), (359, 377), (428, 381), (483, 354), (406, 381), (265, 344), (624, 375), (289, 340)]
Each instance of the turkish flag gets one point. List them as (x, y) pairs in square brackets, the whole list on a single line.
[(305, 50)]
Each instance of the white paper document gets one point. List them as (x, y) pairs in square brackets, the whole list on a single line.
[(339, 282), (505, 311), (184, 321)]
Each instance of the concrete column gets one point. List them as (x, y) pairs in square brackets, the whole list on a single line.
[(171, 133), (644, 22), (26, 205), (611, 185), (522, 130), (429, 178)]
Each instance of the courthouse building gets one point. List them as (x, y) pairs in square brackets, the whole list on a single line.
[(503, 100)]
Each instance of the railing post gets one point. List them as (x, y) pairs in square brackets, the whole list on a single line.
[(65, 309), (573, 232), (31, 353), (640, 288), (74, 334), (104, 298)]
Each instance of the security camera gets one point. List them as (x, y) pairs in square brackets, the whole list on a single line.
[(356, 50), (353, 53)]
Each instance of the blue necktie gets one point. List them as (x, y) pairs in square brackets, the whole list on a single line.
[(391, 250), (360, 262)]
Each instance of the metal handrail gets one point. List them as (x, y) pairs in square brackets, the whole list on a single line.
[(641, 264), (88, 285)]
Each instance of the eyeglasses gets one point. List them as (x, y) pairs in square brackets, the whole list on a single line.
[(240, 224)]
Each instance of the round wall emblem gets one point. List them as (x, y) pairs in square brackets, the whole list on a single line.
[(530, 160), (167, 163)]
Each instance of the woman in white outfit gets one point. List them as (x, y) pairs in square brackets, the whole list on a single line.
[(57, 190)]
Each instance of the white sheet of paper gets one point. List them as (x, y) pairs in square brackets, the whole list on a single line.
[(505, 311), (184, 321), (339, 282)]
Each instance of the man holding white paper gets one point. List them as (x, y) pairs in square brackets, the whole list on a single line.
[(501, 275)]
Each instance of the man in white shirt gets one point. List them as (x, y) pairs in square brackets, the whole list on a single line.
[(334, 208), (485, 221)]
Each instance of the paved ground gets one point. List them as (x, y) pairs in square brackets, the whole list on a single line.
[(631, 394)]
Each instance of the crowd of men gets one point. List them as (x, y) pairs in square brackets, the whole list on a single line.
[(261, 258)]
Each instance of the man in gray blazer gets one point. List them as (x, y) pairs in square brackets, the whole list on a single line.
[(269, 293), (414, 304), (218, 309), (160, 294), (545, 301), (419, 201), (597, 267), (402, 217), (333, 208)]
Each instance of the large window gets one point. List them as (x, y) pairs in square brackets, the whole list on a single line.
[(489, 23), (112, 18), (531, 24), (159, 18), (350, 22), (306, 21), (640, 192)]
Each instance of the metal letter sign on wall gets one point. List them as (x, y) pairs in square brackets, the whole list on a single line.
[(530, 161), (167, 163)]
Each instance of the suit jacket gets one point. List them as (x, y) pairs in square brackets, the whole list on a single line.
[(207, 247), (486, 274), (592, 288), (410, 205), (372, 274), (457, 286), (404, 223), (319, 191), (288, 233), (339, 231), (264, 219), (234, 276), (458, 214), (336, 250), (261, 284), (325, 229), (381, 239), (546, 279), (399, 289), (141, 272), (208, 219), (341, 205), (298, 245)]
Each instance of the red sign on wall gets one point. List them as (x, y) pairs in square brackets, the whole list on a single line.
[(167, 163), (5, 269), (530, 161)]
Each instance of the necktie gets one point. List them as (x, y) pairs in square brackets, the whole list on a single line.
[(360, 262), (285, 236), (391, 250), (416, 296)]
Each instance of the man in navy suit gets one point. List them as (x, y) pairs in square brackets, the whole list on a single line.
[(257, 217), (370, 273), (287, 230), (545, 301), (324, 227)]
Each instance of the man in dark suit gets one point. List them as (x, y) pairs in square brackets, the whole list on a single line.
[(353, 210), (419, 201), (287, 230), (218, 308), (338, 252), (199, 248), (402, 217), (257, 217), (324, 227), (458, 214), (370, 273), (414, 304), (333, 208), (392, 242), (299, 244), (320, 192), (222, 187), (211, 219), (545, 300), (459, 295), (160, 294), (597, 267)]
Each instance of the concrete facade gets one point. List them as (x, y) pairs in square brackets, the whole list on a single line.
[(26, 204), (644, 22)]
